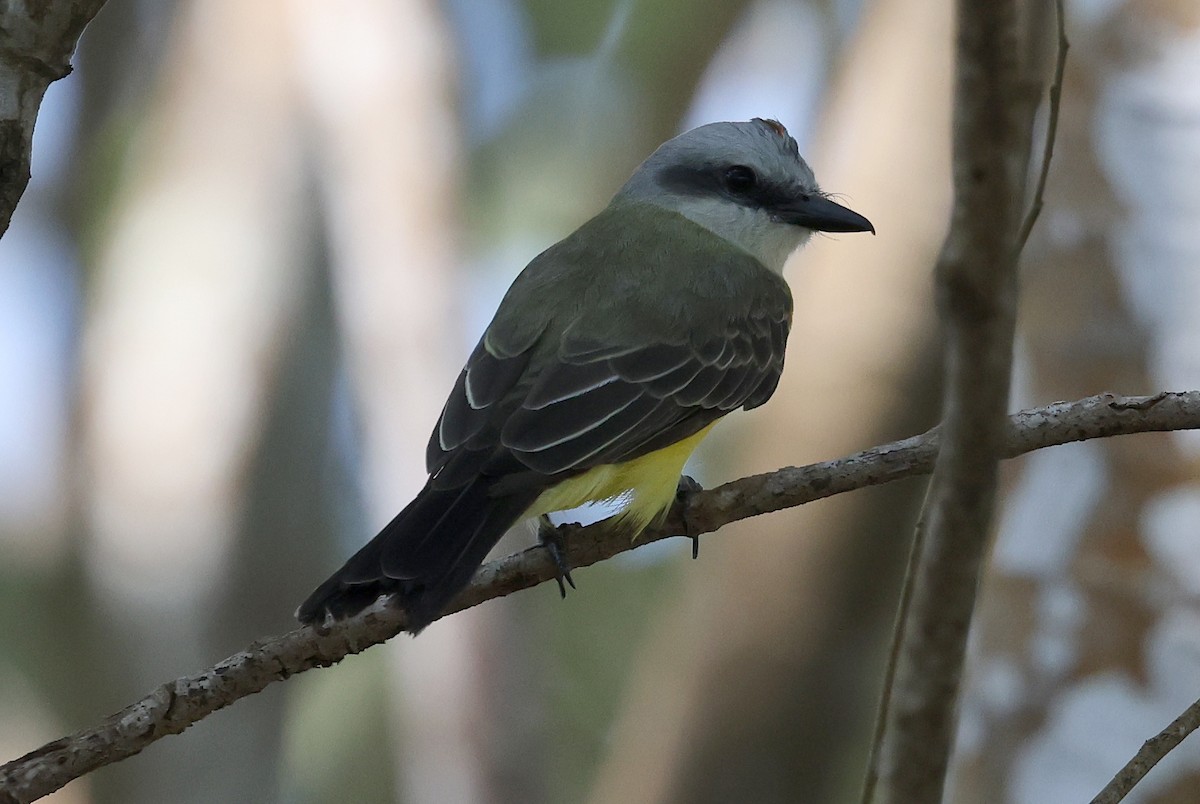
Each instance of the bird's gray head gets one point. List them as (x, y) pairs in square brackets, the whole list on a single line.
[(747, 183)]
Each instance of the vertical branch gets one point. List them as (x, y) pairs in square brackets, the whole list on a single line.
[(976, 294)]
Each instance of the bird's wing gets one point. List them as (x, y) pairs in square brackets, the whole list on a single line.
[(610, 405), (581, 413), (576, 391)]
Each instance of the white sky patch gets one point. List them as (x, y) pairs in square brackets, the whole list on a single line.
[(496, 55), (1173, 657), (1000, 684), (38, 310), (1061, 612), (1171, 524), (37, 300), (1041, 527)]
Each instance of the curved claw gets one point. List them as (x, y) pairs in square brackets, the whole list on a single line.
[(551, 539), (686, 488)]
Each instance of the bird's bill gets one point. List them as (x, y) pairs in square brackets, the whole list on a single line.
[(822, 215)]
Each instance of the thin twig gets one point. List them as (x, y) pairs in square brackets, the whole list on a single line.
[(1056, 86), (889, 671), (178, 704), (1148, 756)]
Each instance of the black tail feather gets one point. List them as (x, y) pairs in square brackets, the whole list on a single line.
[(423, 557)]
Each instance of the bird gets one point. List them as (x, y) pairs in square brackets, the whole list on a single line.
[(610, 357)]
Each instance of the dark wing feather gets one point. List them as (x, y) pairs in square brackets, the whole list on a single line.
[(594, 447), (570, 381), (642, 400), (484, 381), (649, 363), (536, 428), (576, 415)]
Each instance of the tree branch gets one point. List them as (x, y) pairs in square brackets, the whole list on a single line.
[(1148, 756), (35, 50), (1056, 86), (178, 704)]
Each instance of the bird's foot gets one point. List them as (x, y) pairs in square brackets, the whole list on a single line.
[(550, 538), (687, 487)]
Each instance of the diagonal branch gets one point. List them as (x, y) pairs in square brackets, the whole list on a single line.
[(1148, 756), (178, 704)]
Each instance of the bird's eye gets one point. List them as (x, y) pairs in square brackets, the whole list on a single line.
[(740, 179)]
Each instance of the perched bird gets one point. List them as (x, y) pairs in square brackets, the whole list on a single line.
[(611, 356)]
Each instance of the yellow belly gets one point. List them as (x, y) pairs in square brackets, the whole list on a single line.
[(644, 486)]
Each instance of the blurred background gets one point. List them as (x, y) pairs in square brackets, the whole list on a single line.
[(261, 239)]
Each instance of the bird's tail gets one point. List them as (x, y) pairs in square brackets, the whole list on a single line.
[(424, 556)]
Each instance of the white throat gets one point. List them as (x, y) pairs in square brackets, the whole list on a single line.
[(770, 241)]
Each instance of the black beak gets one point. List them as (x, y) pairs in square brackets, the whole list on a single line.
[(822, 215)]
